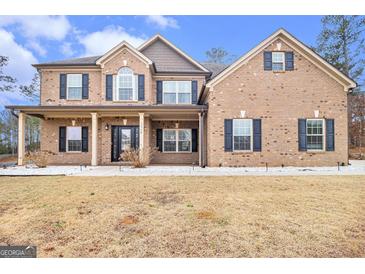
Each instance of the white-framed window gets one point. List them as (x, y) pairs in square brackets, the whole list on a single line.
[(126, 86), (315, 134), (242, 135), (176, 140), (176, 92), (278, 61), (73, 137), (74, 86)]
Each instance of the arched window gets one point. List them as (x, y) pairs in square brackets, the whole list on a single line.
[(126, 85)]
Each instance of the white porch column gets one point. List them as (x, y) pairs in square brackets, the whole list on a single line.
[(141, 134), (94, 139), (21, 138), (201, 138)]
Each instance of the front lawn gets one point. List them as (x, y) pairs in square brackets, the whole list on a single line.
[(313, 216)]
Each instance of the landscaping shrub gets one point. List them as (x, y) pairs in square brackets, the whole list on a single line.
[(138, 157), (39, 158)]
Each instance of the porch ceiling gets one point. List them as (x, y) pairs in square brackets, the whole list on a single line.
[(156, 112)]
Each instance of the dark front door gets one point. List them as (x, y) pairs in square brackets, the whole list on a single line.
[(124, 138)]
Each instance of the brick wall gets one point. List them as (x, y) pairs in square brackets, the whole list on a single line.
[(279, 99)]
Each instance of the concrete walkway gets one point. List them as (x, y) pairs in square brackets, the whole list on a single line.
[(356, 168)]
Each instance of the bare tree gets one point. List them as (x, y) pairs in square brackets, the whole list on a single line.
[(6, 82)]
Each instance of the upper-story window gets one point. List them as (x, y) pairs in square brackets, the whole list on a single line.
[(176, 92), (278, 61), (74, 86), (126, 85)]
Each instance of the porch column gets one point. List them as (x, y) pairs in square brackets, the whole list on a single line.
[(94, 139), (141, 134), (201, 139), (21, 138)]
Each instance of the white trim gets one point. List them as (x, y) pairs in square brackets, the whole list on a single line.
[(134, 87), (297, 45), (323, 134), (176, 140), (117, 48), (73, 151), (177, 93), (251, 136), (282, 53), (68, 86), (163, 39)]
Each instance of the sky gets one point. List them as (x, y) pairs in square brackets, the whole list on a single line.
[(28, 40)]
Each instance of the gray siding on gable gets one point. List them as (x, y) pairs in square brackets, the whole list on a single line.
[(166, 59)]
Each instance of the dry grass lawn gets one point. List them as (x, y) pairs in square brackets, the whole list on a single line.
[(185, 216)]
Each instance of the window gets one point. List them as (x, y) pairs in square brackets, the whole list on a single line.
[(73, 139), (242, 134), (315, 133), (176, 92), (74, 86), (126, 85), (177, 140), (278, 61)]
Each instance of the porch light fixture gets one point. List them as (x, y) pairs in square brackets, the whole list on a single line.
[(176, 125), (125, 122), (107, 127), (73, 123)]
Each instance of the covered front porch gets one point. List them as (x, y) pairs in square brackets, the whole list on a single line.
[(104, 132)]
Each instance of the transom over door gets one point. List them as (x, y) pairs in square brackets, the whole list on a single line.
[(123, 138)]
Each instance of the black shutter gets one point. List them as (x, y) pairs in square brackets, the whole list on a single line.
[(141, 87), (289, 60), (109, 87), (63, 85), (85, 86), (84, 139), (330, 134), (267, 60), (302, 134), (228, 131), (194, 140), (159, 92), (194, 92), (62, 139), (159, 139), (115, 144), (256, 134)]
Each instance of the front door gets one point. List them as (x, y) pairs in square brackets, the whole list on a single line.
[(124, 138)]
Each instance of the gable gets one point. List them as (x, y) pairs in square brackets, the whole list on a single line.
[(119, 48), (295, 45), (168, 58)]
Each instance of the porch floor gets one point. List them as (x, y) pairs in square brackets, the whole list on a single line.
[(356, 167)]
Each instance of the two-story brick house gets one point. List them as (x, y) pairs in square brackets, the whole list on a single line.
[(279, 104)]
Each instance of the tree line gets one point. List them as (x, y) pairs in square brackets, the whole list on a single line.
[(340, 42)]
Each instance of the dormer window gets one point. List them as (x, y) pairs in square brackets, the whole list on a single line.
[(126, 85), (278, 61)]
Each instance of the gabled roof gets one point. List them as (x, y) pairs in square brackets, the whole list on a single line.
[(119, 47), (168, 58), (215, 68), (294, 43), (84, 61)]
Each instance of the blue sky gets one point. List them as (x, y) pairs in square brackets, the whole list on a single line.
[(28, 40)]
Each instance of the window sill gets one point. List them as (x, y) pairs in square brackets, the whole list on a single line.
[(279, 71), (316, 151), (126, 101), (75, 99), (74, 152), (242, 152), (177, 152)]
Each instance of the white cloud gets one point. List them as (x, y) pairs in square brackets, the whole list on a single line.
[(67, 50), (19, 65), (99, 42), (50, 27), (162, 22), (32, 44)]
